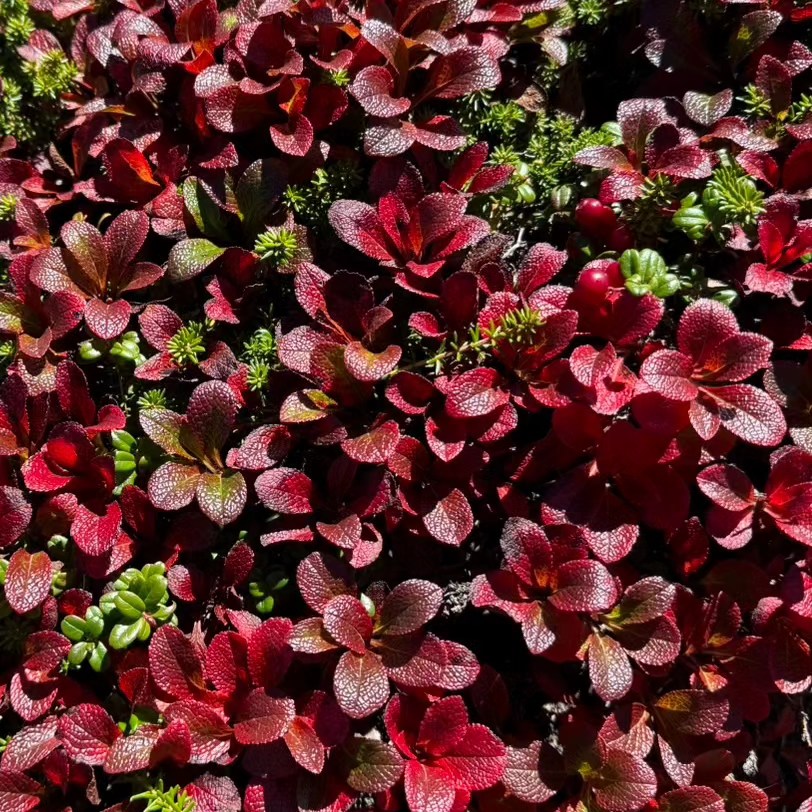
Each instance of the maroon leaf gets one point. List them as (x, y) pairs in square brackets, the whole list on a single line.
[(269, 652), (461, 72), (18, 792), (609, 668), (691, 799), (625, 782), (16, 514)]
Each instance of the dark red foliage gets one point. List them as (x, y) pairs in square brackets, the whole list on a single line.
[(375, 433)]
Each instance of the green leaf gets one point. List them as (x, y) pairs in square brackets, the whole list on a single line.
[(155, 590), (130, 605), (646, 272), (99, 657), (144, 629), (74, 628), (210, 218), (189, 258), (374, 765), (122, 441), (163, 427), (259, 191), (691, 218), (124, 635), (94, 619), (645, 264), (11, 314), (667, 285), (78, 653)]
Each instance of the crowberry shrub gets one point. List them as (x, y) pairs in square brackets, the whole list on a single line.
[(405, 405)]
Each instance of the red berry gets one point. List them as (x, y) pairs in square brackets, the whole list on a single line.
[(594, 219), (592, 285), (620, 239), (616, 278)]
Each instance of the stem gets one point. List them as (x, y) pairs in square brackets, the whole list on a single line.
[(516, 245), (444, 355)]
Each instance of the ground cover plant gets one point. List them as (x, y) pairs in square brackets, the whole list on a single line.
[(405, 405)]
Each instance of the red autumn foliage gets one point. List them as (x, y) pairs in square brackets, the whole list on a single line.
[(376, 432)]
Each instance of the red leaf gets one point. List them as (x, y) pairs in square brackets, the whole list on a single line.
[(222, 496), (669, 373), (132, 753), (428, 788), (96, 534), (727, 486), (443, 726), (268, 719), (31, 745), (214, 793), (692, 712), (376, 446), (609, 668), (174, 664), (129, 176), (408, 607), (707, 110), (107, 320), (584, 586), (450, 520), (750, 414), (523, 772), (348, 623), (269, 652), (359, 225), (368, 366), (305, 745), (210, 416), (285, 490), (321, 578), (28, 580), (360, 684), (88, 732), (173, 485), (210, 735), (373, 87), (16, 514), (477, 761), (475, 393)]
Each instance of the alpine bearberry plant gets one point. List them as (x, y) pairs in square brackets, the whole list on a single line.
[(405, 405)]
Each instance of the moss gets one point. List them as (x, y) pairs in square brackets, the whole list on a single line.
[(29, 92)]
